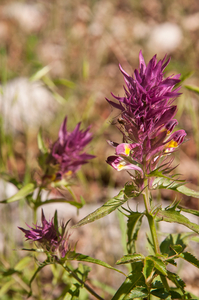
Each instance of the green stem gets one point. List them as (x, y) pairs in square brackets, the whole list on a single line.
[(151, 219), (153, 229), (89, 289), (72, 193), (35, 215), (38, 199)]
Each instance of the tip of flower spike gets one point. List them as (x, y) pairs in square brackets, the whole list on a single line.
[(142, 62)]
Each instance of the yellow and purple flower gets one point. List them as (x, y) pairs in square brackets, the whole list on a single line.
[(48, 236), (146, 119)]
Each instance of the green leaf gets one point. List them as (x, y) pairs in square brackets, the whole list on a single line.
[(131, 190), (188, 192), (183, 77), (177, 248), (138, 292), (135, 279), (35, 274), (59, 200), (83, 270), (72, 292), (72, 255), (158, 264), (160, 293), (171, 240), (190, 258), (176, 280), (40, 143), (130, 258), (190, 211), (23, 192), (55, 220), (23, 263), (175, 185), (148, 268), (174, 216), (6, 286), (9, 272), (133, 225), (104, 210), (39, 74), (164, 182), (192, 88), (176, 295), (66, 82)]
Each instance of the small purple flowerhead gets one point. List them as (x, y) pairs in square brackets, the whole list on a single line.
[(67, 153), (146, 118), (48, 236)]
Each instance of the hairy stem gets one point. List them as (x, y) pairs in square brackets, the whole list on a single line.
[(89, 289)]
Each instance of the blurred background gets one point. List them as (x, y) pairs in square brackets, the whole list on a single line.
[(61, 58)]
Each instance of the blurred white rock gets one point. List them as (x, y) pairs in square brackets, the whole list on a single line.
[(25, 103), (165, 37), (30, 17), (7, 189)]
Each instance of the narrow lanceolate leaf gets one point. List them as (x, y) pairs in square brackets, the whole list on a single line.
[(23, 192), (130, 258), (59, 200), (104, 210), (190, 258), (174, 216), (72, 255), (175, 185), (40, 143), (190, 211), (148, 268), (39, 74), (192, 88), (133, 225), (187, 191), (34, 275)]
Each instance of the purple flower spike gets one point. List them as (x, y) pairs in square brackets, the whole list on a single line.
[(147, 117), (48, 236), (67, 154)]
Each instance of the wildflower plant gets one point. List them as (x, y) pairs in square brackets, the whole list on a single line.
[(149, 140)]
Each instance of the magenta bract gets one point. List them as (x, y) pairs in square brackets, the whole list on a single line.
[(68, 151), (48, 236)]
